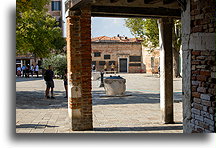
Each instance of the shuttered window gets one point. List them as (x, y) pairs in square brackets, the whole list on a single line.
[(97, 54), (56, 5), (135, 58), (107, 56)]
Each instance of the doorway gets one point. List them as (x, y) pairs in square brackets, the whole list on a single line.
[(123, 65)]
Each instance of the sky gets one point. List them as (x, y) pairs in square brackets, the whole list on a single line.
[(106, 26)]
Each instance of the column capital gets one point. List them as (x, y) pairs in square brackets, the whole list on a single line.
[(73, 13)]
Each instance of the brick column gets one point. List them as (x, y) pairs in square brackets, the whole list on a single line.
[(166, 70), (79, 69)]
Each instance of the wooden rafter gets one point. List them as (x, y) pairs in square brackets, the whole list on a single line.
[(151, 1), (168, 1), (117, 11), (113, 1), (130, 1)]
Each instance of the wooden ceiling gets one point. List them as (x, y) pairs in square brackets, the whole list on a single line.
[(130, 8)]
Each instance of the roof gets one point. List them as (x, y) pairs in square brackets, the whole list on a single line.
[(115, 39)]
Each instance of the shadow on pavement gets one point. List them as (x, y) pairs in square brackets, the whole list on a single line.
[(131, 98), (36, 100), (156, 128), (33, 126), (23, 79)]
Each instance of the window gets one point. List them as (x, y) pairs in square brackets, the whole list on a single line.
[(135, 58), (135, 64), (97, 54), (102, 63), (107, 56), (111, 62), (152, 62), (56, 5)]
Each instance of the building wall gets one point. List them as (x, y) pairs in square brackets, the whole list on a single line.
[(151, 60), (56, 14), (199, 76), (117, 50)]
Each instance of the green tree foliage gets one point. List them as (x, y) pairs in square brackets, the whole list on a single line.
[(36, 30), (147, 29), (58, 62)]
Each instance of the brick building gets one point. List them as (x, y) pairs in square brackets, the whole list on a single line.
[(201, 48), (127, 54)]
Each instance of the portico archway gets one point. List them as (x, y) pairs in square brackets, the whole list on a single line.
[(202, 111)]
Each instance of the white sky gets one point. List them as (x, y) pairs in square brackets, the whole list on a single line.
[(109, 27), (105, 26)]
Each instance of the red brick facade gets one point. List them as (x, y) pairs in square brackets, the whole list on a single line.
[(203, 16), (79, 69), (116, 51), (203, 69), (139, 59), (203, 90)]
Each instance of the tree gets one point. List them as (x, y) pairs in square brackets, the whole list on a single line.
[(147, 29), (36, 30), (58, 62)]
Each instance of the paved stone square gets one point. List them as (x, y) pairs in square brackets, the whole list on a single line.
[(137, 112)]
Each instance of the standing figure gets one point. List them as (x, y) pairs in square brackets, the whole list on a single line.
[(23, 70), (65, 83), (112, 67), (27, 71), (105, 67), (32, 70), (36, 70), (93, 67), (19, 71), (48, 77)]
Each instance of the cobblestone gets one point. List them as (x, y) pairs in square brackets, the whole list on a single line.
[(138, 112)]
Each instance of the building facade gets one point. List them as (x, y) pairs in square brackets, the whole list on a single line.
[(126, 54)]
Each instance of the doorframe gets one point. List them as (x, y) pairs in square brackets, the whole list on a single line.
[(119, 63)]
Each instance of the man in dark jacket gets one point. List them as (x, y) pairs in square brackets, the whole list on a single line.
[(48, 77)]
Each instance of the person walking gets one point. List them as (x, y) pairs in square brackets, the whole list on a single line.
[(36, 70), (65, 83), (48, 77)]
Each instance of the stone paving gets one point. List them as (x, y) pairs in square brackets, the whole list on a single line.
[(137, 112)]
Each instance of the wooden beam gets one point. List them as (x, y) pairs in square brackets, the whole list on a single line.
[(130, 1), (168, 1), (114, 11), (113, 1), (152, 1)]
